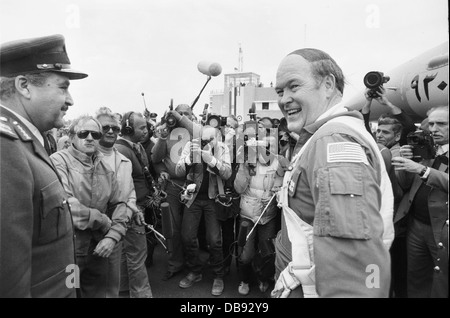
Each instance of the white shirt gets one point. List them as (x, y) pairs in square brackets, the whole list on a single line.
[(442, 149)]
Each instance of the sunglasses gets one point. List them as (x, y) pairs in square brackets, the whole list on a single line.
[(115, 129), (82, 134)]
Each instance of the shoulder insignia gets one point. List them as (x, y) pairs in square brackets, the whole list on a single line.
[(6, 129), (346, 152), (21, 132)]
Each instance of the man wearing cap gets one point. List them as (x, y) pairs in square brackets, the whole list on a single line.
[(36, 234)]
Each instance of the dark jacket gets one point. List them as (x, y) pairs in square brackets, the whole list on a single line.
[(36, 243), (140, 185)]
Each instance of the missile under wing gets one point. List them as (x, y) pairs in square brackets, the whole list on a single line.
[(415, 86)]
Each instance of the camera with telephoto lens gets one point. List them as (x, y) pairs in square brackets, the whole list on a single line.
[(374, 81), (422, 145), (216, 121), (169, 119)]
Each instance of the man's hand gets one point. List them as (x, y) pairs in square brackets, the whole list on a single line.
[(207, 154), (164, 175), (147, 114), (407, 165), (366, 94), (105, 247), (163, 131), (382, 99), (138, 218), (406, 151)]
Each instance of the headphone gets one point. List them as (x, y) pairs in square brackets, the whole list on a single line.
[(127, 128)]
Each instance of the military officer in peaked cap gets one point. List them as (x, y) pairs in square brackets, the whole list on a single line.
[(36, 236)]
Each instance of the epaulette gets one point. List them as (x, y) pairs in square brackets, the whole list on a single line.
[(23, 134), (6, 128)]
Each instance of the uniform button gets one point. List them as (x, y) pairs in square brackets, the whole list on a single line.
[(438, 260), (437, 269), (440, 245), (352, 195), (290, 168), (64, 201)]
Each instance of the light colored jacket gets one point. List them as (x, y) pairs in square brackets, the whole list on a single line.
[(94, 195), (256, 191), (124, 169)]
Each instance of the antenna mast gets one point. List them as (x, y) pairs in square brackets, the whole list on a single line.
[(241, 59)]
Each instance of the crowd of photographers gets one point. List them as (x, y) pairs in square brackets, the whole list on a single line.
[(219, 178)]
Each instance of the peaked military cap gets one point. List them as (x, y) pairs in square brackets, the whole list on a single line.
[(36, 55)]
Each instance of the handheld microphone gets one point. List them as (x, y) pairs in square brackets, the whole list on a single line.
[(166, 216), (242, 236), (209, 68)]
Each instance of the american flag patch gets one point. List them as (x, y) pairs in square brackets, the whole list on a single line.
[(346, 152)]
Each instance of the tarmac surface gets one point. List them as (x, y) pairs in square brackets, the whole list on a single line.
[(201, 289)]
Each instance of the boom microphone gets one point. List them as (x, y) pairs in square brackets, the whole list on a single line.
[(242, 236), (209, 68), (166, 216)]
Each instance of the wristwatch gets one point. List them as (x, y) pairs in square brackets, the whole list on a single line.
[(421, 174)]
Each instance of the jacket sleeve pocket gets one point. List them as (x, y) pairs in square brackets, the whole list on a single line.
[(340, 210)]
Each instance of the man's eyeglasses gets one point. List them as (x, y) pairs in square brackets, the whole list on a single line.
[(115, 129), (82, 134)]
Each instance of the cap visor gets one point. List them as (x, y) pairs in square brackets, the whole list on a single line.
[(71, 74)]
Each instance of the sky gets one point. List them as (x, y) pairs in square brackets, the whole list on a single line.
[(154, 46)]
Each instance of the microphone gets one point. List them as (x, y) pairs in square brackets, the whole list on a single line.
[(166, 216), (242, 236), (209, 68)]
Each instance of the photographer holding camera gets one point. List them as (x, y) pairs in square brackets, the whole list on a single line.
[(392, 130), (426, 205), (175, 133), (206, 163), (258, 206), (397, 113)]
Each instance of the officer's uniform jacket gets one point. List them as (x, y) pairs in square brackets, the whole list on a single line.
[(36, 243)]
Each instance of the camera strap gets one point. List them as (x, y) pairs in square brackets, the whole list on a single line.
[(222, 198)]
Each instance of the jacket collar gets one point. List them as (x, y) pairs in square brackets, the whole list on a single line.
[(26, 135), (82, 157), (335, 111)]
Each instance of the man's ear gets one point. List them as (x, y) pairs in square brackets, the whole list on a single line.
[(22, 86), (330, 84)]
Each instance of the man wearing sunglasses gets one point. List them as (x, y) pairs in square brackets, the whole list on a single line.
[(36, 243), (99, 207)]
